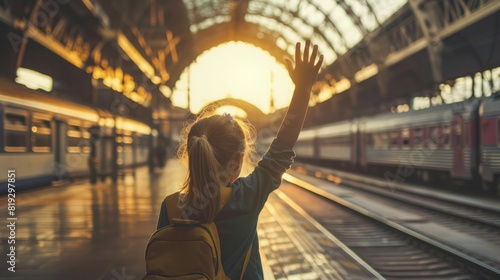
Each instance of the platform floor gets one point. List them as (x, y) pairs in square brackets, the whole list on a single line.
[(79, 231)]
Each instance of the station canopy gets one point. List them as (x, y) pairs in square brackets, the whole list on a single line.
[(336, 26), (192, 26)]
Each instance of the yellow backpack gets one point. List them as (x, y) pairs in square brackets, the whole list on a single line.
[(185, 249)]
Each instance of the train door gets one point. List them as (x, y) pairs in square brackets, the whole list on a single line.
[(60, 168), (458, 145), (106, 156), (363, 141), (354, 135)]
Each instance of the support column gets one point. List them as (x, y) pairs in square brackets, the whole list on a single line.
[(93, 159), (114, 155), (430, 26)]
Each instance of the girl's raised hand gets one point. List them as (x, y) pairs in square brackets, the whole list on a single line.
[(306, 70)]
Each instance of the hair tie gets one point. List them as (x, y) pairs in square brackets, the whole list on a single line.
[(204, 136), (228, 117)]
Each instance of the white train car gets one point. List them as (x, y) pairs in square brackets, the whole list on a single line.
[(45, 139), (305, 147), (450, 142), (132, 151), (439, 139), (338, 142), (41, 135)]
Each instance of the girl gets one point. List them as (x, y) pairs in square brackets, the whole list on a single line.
[(216, 147)]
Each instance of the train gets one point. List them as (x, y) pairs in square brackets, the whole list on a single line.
[(457, 142), (46, 140)]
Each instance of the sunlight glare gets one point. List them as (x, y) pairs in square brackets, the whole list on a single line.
[(234, 70), (232, 110)]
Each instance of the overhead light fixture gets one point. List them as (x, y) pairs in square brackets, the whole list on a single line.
[(366, 73), (33, 79), (136, 57), (342, 85), (166, 91), (156, 80)]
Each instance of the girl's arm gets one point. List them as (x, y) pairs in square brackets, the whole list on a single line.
[(303, 76)]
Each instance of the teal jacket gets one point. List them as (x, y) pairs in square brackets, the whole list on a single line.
[(237, 221)]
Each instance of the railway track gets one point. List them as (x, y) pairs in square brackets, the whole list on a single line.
[(398, 247), (477, 213)]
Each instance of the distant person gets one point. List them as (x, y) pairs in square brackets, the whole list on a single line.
[(215, 148), (161, 153)]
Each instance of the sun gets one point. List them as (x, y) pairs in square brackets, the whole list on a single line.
[(234, 70)]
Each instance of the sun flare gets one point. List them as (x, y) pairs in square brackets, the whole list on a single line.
[(234, 70)]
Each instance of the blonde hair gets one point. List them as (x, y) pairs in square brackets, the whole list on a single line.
[(209, 147)]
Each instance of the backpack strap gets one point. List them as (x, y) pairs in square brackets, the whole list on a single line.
[(173, 211), (245, 264), (225, 194)]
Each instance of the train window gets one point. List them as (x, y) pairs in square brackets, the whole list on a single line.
[(417, 136), (380, 140), (85, 133), (394, 139), (15, 141), (405, 136), (16, 133), (74, 131), (74, 139), (41, 137), (41, 125), (127, 140), (14, 120), (433, 136), (127, 149), (41, 142)]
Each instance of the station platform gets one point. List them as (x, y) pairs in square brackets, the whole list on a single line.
[(83, 231)]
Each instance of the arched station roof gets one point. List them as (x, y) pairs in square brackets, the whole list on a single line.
[(179, 31), (255, 115), (376, 51)]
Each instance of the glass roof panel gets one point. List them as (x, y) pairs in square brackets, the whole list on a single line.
[(385, 9), (201, 10), (286, 17), (323, 5), (290, 36), (363, 12), (302, 28), (327, 52), (307, 11), (281, 43), (335, 38), (324, 21), (316, 19), (345, 25)]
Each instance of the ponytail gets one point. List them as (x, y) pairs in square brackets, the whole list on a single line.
[(202, 199)]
